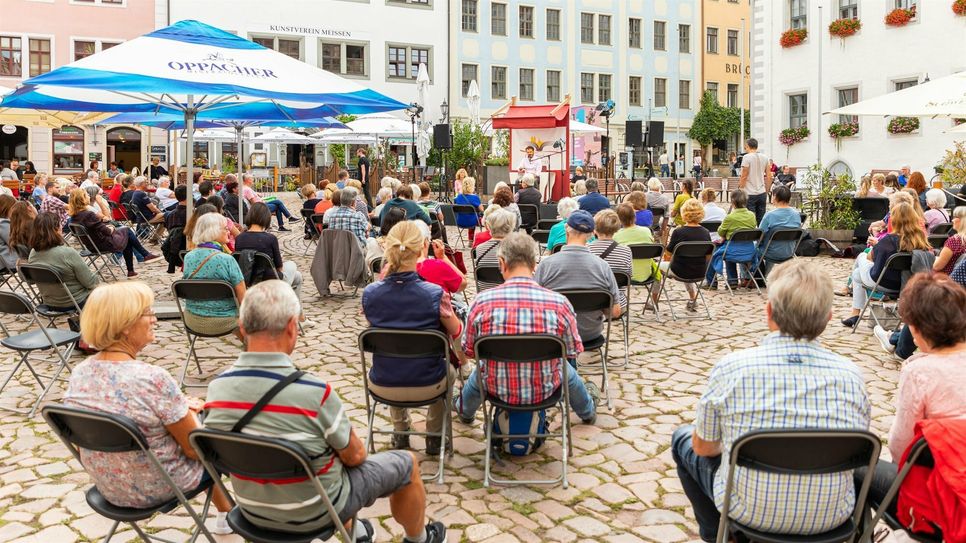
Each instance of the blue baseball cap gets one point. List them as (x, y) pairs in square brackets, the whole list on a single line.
[(581, 221)]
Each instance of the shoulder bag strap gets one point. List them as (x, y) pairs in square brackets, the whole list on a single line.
[(263, 401), (608, 250), (203, 262)]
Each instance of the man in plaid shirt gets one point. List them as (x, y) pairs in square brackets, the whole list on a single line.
[(53, 204), (347, 218), (521, 306)]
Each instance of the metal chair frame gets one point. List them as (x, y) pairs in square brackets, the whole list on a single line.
[(405, 344), (503, 350), (624, 282), (686, 246), (46, 338), (644, 251), (753, 235), (211, 446), (145, 229), (822, 462), (133, 441), (782, 235), (491, 274), (310, 216), (32, 274), (919, 454), (460, 209), (211, 293), (529, 211), (588, 301), (94, 254), (901, 261)]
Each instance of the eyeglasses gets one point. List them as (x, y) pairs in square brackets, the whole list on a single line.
[(149, 313)]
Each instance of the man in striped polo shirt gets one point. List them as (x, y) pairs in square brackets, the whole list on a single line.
[(310, 413)]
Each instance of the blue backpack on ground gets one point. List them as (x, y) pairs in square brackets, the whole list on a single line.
[(519, 422)]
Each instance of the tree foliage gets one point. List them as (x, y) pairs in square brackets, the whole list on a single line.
[(470, 148), (714, 122)]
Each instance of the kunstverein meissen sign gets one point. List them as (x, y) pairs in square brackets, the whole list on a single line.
[(308, 30)]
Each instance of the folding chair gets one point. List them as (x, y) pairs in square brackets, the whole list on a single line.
[(487, 274), (938, 241), (449, 218), (557, 248), (779, 235), (686, 249), (624, 282), (39, 274), (262, 264), (541, 237), (38, 338), (919, 455), (711, 226), (146, 230), (198, 290), (524, 349), (529, 216), (898, 262), (942, 228), (801, 452), (317, 225), (375, 267), (263, 459), (547, 224), (408, 344), (594, 301), (743, 235), (647, 251), (97, 260), (109, 433), (11, 279)]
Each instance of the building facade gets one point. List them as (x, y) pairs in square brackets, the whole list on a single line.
[(37, 36), (643, 55), (725, 69), (794, 85), (379, 43)]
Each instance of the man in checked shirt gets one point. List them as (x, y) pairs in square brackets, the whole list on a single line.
[(521, 306)]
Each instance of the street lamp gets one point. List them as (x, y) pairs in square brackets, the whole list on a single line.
[(444, 109)]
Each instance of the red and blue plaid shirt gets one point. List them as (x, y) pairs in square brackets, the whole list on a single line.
[(521, 306)]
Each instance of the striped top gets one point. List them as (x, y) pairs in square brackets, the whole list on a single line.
[(783, 383), (620, 259), (307, 412)]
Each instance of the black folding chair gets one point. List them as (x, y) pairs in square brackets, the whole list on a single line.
[(262, 265), (524, 349), (938, 241), (595, 301), (686, 250), (557, 248), (743, 235), (547, 224), (11, 279), (39, 274), (449, 218), (199, 290), (109, 433), (408, 344), (660, 216), (97, 260), (146, 230), (549, 211), (487, 274), (919, 455), (711, 226), (315, 220), (529, 216), (263, 459), (37, 338), (801, 452), (647, 251), (898, 263), (779, 235), (375, 267), (541, 237)]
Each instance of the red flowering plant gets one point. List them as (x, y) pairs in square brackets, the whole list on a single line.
[(900, 16), (793, 37), (959, 7), (791, 136), (903, 125), (843, 28)]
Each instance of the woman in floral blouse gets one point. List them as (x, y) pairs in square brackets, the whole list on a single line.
[(119, 322)]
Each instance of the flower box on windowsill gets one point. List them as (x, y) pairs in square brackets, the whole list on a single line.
[(959, 7), (793, 37), (900, 16), (903, 125), (843, 28)]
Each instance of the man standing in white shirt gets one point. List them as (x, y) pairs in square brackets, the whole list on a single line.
[(665, 164), (756, 178), (530, 165)]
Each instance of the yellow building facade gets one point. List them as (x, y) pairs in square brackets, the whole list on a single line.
[(722, 38)]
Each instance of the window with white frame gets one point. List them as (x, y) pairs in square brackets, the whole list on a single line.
[(798, 14), (526, 84), (684, 38), (733, 43), (587, 88), (660, 92), (287, 46), (84, 48), (469, 73), (797, 110), (553, 24), (345, 58), (732, 95), (660, 36), (603, 87), (848, 9), (712, 87), (526, 21), (603, 30), (847, 97), (497, 82), (403, 61), (634, 90), (907, 4), (684, 94), (712, 41), (586, 28), (469, 16), (553, 85), (498, 19), (634, 33), (40, 57), (905, 84)]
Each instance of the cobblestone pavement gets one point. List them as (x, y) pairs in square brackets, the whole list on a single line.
[(624, 487)]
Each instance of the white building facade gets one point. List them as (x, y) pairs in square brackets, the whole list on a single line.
[(379, 43), (795, 85)]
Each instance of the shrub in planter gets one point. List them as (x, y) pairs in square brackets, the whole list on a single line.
[(844, 28), (791, 136), (793, 37), (900, 16), (959, 7), (903, 125)]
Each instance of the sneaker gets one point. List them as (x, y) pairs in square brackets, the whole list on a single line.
[(132, 273), (294, 219), (884, 338), (458, 407), (366, 526), (221, 526), (692, 306), (850, 322), (400, 441), (283, 229), (594, 392), (435, 533), (150, 258)]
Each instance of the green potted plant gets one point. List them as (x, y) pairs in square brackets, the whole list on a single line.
[(830, 206)]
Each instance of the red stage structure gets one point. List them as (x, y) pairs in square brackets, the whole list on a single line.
[(547, 129)]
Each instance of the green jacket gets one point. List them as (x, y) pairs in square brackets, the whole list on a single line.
[(736, 220), (75, 273)]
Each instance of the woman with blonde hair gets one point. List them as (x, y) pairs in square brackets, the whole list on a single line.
[(693, 213), (879, 188), (118, 321), (580, 189), (106, 237), (865, 185), (461, 176), (955, 246), (360, 202), (403, 300), (467, 197), (906, 235)]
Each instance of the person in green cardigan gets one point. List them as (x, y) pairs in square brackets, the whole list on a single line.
[(50, 250), (740, 218)]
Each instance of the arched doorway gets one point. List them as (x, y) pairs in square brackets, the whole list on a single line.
[(13, 142), (124, 147)]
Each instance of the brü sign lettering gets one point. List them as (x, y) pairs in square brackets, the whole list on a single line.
[(217, 63)]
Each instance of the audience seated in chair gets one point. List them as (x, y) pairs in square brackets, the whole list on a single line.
[(22, 216), (521, 306), (274, 204), (346, 217), (931, 383), (49, 249), (955, 246), (105, 236), (427, 306), (935, 213), (119, 322), (632, 234), (376, 247), (503, 197), (256, 238), (593, 201), (739, 218), (655, 197), (54, 204), (210, 260), (404, 199), (782, 216), (8, 254), (352, 479), (687, 189), (234, 229), (617, 256), (789, 381), (643, 215), (500, 223), (576, 268), (558, 232), (693, 213)]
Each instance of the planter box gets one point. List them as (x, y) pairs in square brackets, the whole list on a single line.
[(493, 175), (840, 238)]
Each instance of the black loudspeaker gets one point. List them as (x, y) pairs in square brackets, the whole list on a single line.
[(604, 146), (442, 139), (655, 133), (632, 133)]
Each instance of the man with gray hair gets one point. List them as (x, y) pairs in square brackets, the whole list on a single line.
[(311, 414), (521, 306), (593, 201), (347, 218), (142, 201), (790, 381), (274, 204)]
